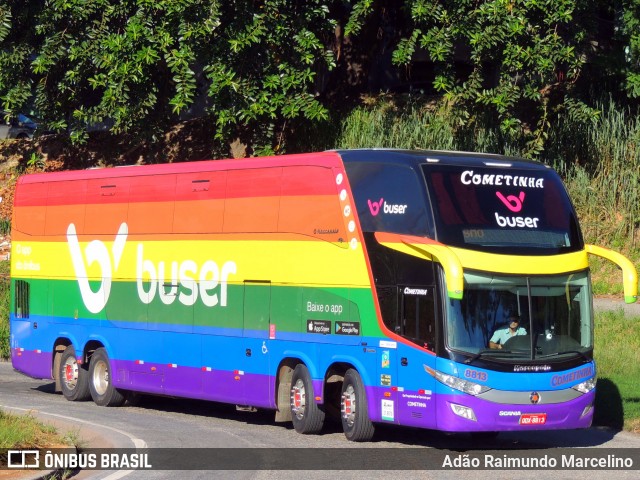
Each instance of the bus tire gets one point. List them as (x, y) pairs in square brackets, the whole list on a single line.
[(100, 385), (74, 378), (354, 411), (307, 416)]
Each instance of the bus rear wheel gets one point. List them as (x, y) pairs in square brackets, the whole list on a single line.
[(307, 417), (73, 377), (354, 410), (102, 390)]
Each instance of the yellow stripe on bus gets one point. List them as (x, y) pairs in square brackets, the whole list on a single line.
[(290, 262)]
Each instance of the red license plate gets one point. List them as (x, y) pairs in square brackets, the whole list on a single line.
[(533, 419)]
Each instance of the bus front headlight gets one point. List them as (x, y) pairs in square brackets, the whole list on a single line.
[(456, 383), (586, 386)]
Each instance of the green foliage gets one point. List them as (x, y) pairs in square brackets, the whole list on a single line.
[(617, 353), (5, 297), (524, 59), (128, 63), (15, 41), (5, 226), (631, 41), (601, 164), (140, 66), (413, 124), (265, 72), (25, 431), (35, 161), (260, 70)]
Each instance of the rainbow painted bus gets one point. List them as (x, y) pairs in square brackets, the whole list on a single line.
[(363, 283)]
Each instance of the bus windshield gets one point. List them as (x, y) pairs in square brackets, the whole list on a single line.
[(502, 210), (554, 313)]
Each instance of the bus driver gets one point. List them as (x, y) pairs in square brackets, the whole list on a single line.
[(501, 335)]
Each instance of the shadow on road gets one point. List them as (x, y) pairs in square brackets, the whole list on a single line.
[(609, 410)]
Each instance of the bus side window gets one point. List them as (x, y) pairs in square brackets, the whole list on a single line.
[(388, 300), (418, 316), (390, 198), (21, 299)]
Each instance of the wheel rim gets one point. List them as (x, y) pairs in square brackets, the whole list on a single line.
[(70, 373), (100, 377), (298, 399), (348, 405)]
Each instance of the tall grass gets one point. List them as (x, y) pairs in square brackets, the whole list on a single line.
[(5, 226), (5, 299), (389, 127), (617, 354), (414, 125), (25, 431), (601, 164), (604, 175)]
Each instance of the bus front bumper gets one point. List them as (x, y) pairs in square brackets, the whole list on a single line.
[(466, 413)]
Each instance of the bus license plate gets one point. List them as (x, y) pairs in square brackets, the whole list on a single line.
[(533, 419)]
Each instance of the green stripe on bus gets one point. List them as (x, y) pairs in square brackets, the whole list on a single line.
[(289, 307)]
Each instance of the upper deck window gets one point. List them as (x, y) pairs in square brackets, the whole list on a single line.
[(501, 209), (389, 198)]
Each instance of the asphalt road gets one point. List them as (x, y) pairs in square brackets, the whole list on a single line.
[(616, 303), (176, 423)]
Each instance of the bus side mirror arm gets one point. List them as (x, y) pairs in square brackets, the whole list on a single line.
[(453, 271), (629, 274)]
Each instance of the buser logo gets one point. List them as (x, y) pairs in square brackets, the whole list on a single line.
[(96, 251), (187, 280), (390, 208), (514, 204)]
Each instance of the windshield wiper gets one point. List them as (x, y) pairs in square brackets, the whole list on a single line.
[(486, 352), (556, 354)]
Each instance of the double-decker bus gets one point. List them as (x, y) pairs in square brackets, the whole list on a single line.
[(366, 282)]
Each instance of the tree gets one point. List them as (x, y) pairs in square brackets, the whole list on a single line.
[(255, 67), (16, 40), (523, 58), (266, 72), (141, 65), (631, 37)]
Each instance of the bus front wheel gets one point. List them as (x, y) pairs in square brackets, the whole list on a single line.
[(102, 390), (354, 410), (306, 415), (73, 377)]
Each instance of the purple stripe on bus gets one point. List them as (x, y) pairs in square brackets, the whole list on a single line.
[(34, 363)]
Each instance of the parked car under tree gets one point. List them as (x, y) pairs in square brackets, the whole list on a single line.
[(18, 126)]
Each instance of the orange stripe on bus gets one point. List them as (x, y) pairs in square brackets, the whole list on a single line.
[(309, 215)]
